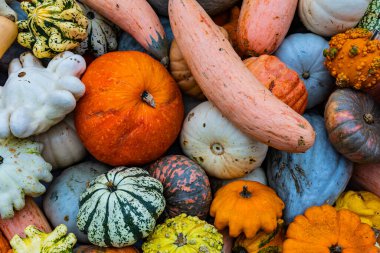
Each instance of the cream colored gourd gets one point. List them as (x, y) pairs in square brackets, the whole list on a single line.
[(327, 18), (7, 12), (21, 169), (7, 37), (230, 86), (62, 146), (220, 148), (35, 98)]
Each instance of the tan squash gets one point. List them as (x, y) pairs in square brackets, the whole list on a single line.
[(7, 37), (228, 84)]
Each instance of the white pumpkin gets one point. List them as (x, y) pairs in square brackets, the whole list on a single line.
[(35, 98), (7, 11), (219, 147), (329, 17), (62, 146), (21, 169)]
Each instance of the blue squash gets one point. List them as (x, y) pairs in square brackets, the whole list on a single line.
[(312, 178)]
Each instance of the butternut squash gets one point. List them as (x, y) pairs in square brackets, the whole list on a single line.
[(230, 86), (263, 25), (10, 34), (138, 19)]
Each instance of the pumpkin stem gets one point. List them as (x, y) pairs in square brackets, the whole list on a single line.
[(181, 240), (245, 193), (306, 75), (111, 186), (148, 98), (375, 35), (239, 249), (335, 249), (1, 160), (368, 118), (90, 15), (217, 148)]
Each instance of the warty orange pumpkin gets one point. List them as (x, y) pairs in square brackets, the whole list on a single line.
[(132, 110)]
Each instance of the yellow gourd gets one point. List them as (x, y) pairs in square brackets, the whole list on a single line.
[(10, 34)]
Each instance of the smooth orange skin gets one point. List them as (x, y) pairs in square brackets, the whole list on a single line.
[(10, 34), (114, 123), (95, 249)]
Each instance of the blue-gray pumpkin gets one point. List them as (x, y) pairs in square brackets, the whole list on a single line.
[(312, 178), (61, 202)]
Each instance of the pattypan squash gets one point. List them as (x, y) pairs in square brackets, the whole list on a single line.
[(35, 98), (40, 242), (52, 26)]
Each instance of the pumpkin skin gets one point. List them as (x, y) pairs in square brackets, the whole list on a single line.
[(7, 39), (232, 26), (353, 123), (236, 198), (283, 82), (315, 177), (186, 186), (302, 53), (322, 229), (370, 19), (7, 12), (123, 129), (367, 176), (223, 152), (4, 244), (127, 202), (95, 249)]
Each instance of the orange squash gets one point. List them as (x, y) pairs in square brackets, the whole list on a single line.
[(95, 249), (246, 207), (231, 26), (230, 86), (263, 25), (324, 229), (283, 82), (4, 244), (132, 110)]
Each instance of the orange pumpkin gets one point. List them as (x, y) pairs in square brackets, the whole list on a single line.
[(246, 207), (4, 244), (324, 229), (231, 26), (132, 110), (95, 249), (283, 82)]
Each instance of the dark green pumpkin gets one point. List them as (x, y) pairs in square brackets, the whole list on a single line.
[(353, 124)]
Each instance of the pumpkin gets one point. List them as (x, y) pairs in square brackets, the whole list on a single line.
[(4, 244), (186, 186), (302, 53), (328, 18), (232, 26), (370, 20), (7, 39), (31, 214), (283, 82), (367, 176), (262, 242), (138, 19), (35, 98), (40, 242), (236, 198), (312, 178), (7, 12), (223, 152), (365, 204), (95, 249), (263, 25), (132, 110), (323, 229), (353, 124), (353, 58), (52, 27), (228, 84), (101, 34), (61, 202), (184, 234), (126, 201), (62, 146)]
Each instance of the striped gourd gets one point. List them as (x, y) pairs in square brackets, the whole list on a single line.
[(52, 26), (120, 207), (371, 18)]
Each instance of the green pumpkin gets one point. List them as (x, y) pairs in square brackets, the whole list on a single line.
[(120, 207), (52, 27), (371, 18)]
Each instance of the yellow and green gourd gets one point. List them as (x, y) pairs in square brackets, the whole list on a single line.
[(39, 242), (183, 234), (371, 18), (52, 27)]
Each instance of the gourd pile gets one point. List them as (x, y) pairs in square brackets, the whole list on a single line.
[(209, 126)]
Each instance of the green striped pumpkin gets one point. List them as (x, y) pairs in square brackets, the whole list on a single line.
[(371, 18), (120, 207), (52, 27)]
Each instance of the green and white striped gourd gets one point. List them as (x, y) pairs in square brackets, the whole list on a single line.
[(102, 34), (371, 18), (52, 27), (120, 207)]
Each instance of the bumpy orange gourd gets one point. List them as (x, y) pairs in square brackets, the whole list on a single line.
[(4, 244), (132, 110), (246, 207), (95, 249), (354, 59), (283, 82), (325, 230)]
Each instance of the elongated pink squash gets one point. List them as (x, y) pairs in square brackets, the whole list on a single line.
[(138, 19), (228, 84), (263, 25)]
